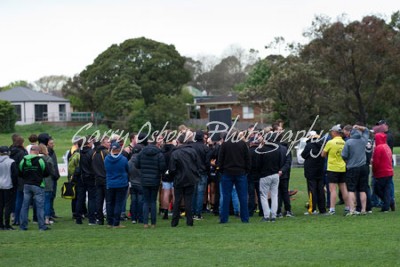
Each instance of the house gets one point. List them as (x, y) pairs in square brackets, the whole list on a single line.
[(32, 106), (251, 112)]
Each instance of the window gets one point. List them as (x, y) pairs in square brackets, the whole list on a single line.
[(18, 112), (40, 112), (248, 112), (62, 114)]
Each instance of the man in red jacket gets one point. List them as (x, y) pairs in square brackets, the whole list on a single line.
[(382, 170)]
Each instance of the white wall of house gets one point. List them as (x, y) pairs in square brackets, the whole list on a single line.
[(53, 111)]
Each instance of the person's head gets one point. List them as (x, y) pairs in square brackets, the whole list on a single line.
[(132, 138), (43, 149), (4, 150), (347, 130), (19, 141), (50, 144), (44, 138), (336, 130), (13, 137), (106, 142), (33, 138), (277, 127), (35, 150), (199, 136), (115, 148), (383, 124)]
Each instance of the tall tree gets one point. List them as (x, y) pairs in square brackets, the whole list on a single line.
[(8, 117), (51, 84)]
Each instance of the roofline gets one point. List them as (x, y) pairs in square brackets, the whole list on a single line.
[(217, 103)]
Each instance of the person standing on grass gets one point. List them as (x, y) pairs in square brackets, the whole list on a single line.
[(151, 163), (17, 153), (86, 184), (184, 168), (234, 164), (33, 169), (356, 171), (382, 170), (314, 171), (167, 191), (8, 185), (48, 183), (117, 172), (336, 167), (202, 151), (56, 175), (269, 164), (98, 157)]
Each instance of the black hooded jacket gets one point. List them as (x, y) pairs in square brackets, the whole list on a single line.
[(99, 170), (313, 162), (17, 153), (85, 164), (151, 163), (184, 166)]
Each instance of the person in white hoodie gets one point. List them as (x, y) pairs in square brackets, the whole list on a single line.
[(8, 185)]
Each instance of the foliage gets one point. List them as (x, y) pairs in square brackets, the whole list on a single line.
[(7, 117), (137, 68), (16, 84), (51, 84)]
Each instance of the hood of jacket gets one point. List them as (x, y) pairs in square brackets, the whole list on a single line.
[(85, 150), (151, 150), (380, 138), (137, 148), (355, 134), (115, 157), (3, 158)]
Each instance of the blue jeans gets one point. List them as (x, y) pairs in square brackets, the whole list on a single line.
[(137, 200), (227, 183), (53, 196), (37, 194), (19, 199), (383, 190), (115, 198), (235, 200), (47, 203), (198, 195), (150, 198)]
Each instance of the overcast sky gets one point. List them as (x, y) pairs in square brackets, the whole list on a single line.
[(48, 37)]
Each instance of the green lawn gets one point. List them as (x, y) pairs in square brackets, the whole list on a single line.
[(371, 240)]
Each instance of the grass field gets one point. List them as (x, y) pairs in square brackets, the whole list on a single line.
[(372, 240)]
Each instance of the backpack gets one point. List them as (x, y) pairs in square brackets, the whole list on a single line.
[(68, 190)]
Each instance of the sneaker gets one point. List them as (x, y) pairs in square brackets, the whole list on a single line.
[(198, 217), (363, 213), (279, 215), (393, 206), (78, 221), (133, 222), (289, 214), (273, 220), (91, 223), (9, 228), (331, 212), (45, 229), (264, 219), (165, 216), (315, 212)]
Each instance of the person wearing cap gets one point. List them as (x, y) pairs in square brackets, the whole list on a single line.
[(33, 169), (356, 171), (336, 167), (117, 171), (8, 185)]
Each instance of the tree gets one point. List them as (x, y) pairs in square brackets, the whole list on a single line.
[(360, 60), (51, 84), (16, 84), (8, 117)]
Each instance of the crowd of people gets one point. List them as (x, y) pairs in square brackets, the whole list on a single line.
[(236, 173)]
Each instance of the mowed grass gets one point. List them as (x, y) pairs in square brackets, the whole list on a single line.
[(371, 240)]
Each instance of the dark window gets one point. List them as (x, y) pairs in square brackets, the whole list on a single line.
[(18, 112), (62, 113), (40, 112)]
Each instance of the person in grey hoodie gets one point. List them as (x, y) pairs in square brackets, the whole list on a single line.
[(354, 155), (8, 187)]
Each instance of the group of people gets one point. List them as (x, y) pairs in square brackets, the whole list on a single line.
[(28, 177), (237, 172), (343, 159)]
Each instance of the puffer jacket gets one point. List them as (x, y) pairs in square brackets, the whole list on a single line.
[(151, 163), (184, 166)]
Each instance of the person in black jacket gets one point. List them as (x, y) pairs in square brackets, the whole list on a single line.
[(17, 153), (86, 183), (314, 173), (253, 179), (234, 163), (202, 151), (167, 190), (283, 188), (98, 156), (269, 166), (151, 163), (184, 168), (56, 175)]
